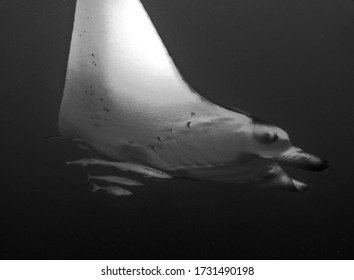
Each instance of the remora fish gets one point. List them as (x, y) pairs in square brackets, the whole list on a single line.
[(83, 162), (125, 98), (124, 166), (117, 191), (116, 179)]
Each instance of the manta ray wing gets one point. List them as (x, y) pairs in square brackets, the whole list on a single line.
[(125, 98)]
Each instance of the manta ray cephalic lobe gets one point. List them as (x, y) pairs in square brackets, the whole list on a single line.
[(125, 100)]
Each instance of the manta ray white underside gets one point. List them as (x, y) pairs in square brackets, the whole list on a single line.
[(125, 100)]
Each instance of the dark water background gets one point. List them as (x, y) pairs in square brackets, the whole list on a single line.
[(290, 62)]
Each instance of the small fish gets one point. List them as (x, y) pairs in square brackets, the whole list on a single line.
[(124, 166), (117, 191), (116, 179), (83, 162), (138, 168)]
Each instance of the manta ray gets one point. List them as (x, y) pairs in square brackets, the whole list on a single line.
[(125, 101)]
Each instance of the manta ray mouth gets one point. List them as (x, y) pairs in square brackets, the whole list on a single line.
[(296, 157)]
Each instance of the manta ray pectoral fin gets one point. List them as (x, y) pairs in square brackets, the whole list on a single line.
[(296, 157)]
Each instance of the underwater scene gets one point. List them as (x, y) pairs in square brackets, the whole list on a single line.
[(164, 129)]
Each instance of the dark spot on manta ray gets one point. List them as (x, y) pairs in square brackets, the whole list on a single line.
[(92, 118), (92, 55), (101, 98), (90, 86), (86, 91), (159, 138), (105, 109), (97, 125), (131, 142), (105, 119), (188, 124), (82, 99), (192, 114)]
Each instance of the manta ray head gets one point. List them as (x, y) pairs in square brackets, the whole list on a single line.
[(267, 139), (273, 143)]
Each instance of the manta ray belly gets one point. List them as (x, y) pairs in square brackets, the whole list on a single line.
[(124, 96)]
